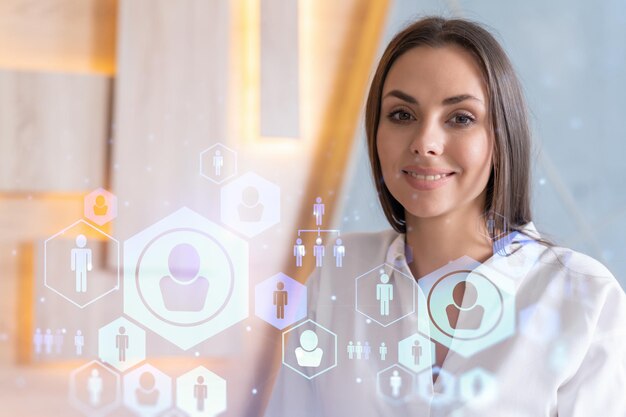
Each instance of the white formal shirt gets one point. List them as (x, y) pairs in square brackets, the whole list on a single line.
[(554, 342)]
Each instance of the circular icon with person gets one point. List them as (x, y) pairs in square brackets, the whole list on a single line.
[(184, 288)]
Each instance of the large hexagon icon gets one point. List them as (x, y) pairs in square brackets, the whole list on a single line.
[(186, 278), (73, 260), (281, 301), (309, 349)]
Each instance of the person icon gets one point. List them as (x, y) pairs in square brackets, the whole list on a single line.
[(416, 352), (184, 289), (299, 251), (339, 251), (200, 393), (218, 162), (81, 263), (383, 350), (38, 341), (146, 393), (395, 381), (367, 350), (250, 208), (358, 350), (318, 252), (350, 350), (100, 208), (384, 293), (281, 299), (464, 297), (121, 343), (318, 211), (309, 354), (48, 341), (58, 340), (95, 387), (79, 342)]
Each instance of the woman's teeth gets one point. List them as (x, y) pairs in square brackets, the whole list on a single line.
[(428, 177)]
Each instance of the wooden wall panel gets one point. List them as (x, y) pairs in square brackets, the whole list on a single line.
[(53, 131)]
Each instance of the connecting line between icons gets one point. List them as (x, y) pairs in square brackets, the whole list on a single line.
[(319, 231)]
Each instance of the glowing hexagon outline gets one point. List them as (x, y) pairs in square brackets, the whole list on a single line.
[(45, 263), (506, 288), (297, 317), (257, 227), (320, 372), (178, 398), (112, 200), (403, 399), (89, 411), (356, 294), (202, 174), (142, 411), (130, 324), (427, 363), (235, 310)]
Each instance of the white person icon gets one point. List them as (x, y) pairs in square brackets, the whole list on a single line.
[(184, 289)]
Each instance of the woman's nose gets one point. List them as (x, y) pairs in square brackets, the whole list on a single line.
[(428, 140)]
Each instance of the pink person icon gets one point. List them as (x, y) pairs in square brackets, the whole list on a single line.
[(184, 289)]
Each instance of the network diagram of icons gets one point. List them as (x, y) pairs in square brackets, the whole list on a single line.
[(70, 260), (186, 278), (395, 384), (201, 393), (218, 163), (250, 204), (416, 353), (471, 306), (122, 344), (147, 391), (94, 389), (100, 206), (385, 294), (312, 351), (281, 301)]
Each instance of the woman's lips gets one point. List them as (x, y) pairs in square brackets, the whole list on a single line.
[(427, 180)]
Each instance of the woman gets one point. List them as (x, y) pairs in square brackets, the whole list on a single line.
[(481, 316)]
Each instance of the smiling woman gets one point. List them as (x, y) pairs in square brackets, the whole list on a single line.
[(469, 309)]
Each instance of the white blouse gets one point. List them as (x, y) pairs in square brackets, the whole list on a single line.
[(541, 332)]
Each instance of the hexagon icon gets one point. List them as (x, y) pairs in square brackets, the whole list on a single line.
[(385, 295), (478, 386), (147, 391), (442, 392), (281, 301), (218, 163), (483, 299), (186, 278), (312, 350), (395, 384), (250, 204), (496, 226), (201, 393), (416, 352), (71, 260), (94, 389), (121, 344), (100, 206)]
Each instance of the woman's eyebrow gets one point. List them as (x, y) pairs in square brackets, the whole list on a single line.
[(446, 102)]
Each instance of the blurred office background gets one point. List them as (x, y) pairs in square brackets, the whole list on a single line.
[(127, 94)]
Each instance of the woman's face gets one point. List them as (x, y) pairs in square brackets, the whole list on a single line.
[(434, 140)]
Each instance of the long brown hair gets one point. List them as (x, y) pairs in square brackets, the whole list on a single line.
[(508, 188)]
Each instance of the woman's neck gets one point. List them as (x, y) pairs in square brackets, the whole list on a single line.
[(436, 241)]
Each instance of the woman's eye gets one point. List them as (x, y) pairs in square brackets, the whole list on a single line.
[(400, 115), (463, 119)]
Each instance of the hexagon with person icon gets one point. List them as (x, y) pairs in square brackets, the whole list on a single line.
[(201, 393), (73, 263), (100, 206), (94, 389), (471, 306), (122, 344), (385, 294), (250, 204), (395, 384), (280, 300), (416, 352), (218, 163), (147, 391), (186, 278), (309, 349)]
